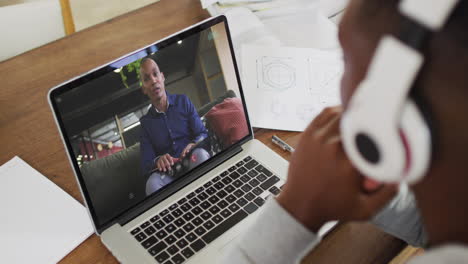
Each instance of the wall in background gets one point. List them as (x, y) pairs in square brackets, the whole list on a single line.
[(25, 25), (87, 13), (28, 24)]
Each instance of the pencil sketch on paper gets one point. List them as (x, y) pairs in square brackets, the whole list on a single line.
[(278, 109), (306, 112), (323, 74), (276, 74), (324, 77), (287, 87)]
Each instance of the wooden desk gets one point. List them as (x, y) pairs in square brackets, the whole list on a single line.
[(27, 128)]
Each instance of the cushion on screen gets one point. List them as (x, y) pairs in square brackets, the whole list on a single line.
[(227, 119)]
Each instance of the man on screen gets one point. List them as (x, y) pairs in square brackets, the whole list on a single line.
[(170, 130)]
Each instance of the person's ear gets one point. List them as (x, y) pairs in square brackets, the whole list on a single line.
[(162, 76)]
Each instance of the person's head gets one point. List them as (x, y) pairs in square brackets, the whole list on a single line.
[(442, 84), (152, 80)]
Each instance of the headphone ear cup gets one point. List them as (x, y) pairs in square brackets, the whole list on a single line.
[(387, 151), (416, 136), (373, 145)]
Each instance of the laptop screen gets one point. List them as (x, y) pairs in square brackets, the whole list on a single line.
[(136, 126)]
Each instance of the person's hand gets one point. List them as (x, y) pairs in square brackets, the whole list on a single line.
[(322, 183), (165, 162), (187, 150)]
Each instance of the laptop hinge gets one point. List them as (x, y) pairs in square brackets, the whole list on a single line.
[(176, 186)]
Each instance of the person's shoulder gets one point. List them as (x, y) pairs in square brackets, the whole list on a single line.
[(147, 115), (180, 98)]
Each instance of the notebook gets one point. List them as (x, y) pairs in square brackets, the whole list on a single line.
[(41, 223)]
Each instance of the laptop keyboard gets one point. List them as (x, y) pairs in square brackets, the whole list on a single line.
[(175, 234)]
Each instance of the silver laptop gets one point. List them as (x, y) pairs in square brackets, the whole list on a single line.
[(163, 151)]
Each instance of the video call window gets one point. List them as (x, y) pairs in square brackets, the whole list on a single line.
[(119, 136)]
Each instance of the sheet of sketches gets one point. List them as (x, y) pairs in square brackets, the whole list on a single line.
[(286, 88)]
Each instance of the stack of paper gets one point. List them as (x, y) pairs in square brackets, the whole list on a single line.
[(40, 222), (246, 28), (216, 7), (279, 7), (289, 58)]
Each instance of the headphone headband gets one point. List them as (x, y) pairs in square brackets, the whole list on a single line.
[(383, 131), (433, 15)]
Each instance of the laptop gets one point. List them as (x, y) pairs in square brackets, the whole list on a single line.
[(162, 148)]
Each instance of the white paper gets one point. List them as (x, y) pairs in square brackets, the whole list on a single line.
[(230, 2), (332, 7), (40, 222), (207, 3), (285, 88), (311, 28), (246, 28), (256, 6)]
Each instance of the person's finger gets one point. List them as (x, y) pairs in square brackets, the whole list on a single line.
[(162, 160), (158, 164), (163, 163), (325, 116), (367, 185), (332, 128), (370, 203), (167, 162)]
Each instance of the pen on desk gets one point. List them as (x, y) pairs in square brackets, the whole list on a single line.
[(278, 141)]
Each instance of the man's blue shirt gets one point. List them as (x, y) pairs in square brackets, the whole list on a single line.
[(169, 132)]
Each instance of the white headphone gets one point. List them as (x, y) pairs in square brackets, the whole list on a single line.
[(384, 133)]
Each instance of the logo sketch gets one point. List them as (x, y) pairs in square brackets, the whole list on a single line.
[(276, 74)]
